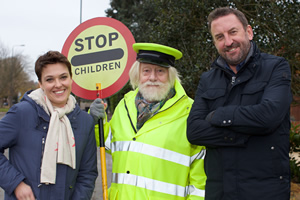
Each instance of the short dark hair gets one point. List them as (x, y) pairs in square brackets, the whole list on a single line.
[(224, 11), (51, 57)]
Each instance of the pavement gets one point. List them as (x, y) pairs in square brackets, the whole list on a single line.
[(97, 195)]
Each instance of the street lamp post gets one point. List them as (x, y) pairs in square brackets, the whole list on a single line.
[(80, 11), (12, 50)]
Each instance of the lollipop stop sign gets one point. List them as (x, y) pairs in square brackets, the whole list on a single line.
[(100, 51)]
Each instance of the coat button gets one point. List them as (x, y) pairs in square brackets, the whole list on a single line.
[(128, 172), (134, 139), (229, 121), (272, 148), (224, 122), (44, 127)]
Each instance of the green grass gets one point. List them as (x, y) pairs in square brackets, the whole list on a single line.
[(4, 109)]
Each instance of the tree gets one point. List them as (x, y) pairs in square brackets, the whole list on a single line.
[(276, 27), (13, 77), (183, 25)]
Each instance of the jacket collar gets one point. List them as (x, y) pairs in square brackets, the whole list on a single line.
[(129, 102)]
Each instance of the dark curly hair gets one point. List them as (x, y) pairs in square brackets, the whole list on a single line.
[(51, 57), (224, 11)]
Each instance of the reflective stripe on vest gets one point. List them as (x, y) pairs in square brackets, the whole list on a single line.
[(157, 186), (199, 155), (157, 152), (108, 140)]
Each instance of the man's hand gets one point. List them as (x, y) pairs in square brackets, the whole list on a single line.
[(24, 192), (97, 109), (209, 116)]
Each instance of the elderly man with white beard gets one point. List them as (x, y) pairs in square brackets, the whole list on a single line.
[(152, 158)]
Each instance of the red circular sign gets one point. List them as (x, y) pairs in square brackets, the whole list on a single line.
[(100, 51)]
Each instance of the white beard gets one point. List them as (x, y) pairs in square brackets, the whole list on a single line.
[(152, 94)]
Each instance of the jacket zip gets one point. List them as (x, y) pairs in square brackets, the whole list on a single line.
[(43, 148), (233, 80)]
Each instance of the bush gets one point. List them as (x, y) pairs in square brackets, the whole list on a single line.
[(295, 148)]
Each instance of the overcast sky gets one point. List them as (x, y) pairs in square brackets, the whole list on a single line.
[(43, 25)]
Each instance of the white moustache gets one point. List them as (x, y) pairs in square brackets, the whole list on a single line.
[(149, 83)]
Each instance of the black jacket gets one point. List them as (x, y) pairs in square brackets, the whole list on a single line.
[(247, 130)]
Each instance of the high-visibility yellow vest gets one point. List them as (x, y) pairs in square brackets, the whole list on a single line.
[(157, 162)]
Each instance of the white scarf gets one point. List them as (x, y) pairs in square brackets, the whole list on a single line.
[(60, 141)]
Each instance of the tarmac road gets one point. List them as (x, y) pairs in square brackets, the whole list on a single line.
[(97, 195)]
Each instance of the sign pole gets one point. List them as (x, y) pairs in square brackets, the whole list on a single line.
[(102, 151)]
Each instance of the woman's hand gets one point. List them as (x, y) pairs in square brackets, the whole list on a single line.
[(24, 192)]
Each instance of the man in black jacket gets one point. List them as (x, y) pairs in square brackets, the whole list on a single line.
[(241, 113)]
